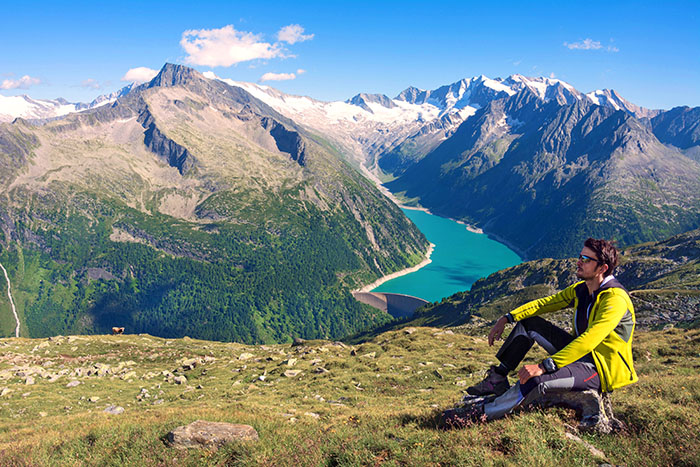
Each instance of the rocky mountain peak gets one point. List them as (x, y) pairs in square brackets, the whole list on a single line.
[(174, 75), (412, 95), (363, 100)]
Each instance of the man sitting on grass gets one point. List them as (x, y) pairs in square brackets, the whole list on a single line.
[(597, 356)]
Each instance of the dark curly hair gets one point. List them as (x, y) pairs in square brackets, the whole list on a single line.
[(605, 251)]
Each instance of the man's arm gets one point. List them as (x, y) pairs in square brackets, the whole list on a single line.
[(497, 330), (554, 302)]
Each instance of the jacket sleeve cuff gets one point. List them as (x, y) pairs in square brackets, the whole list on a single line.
[(549, 365), (509, 317)]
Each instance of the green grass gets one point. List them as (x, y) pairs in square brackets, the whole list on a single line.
[(378, 407)]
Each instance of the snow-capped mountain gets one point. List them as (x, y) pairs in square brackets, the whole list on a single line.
[(370, 125), (611, 98), (362, 126), (107, 98), (23, 106)]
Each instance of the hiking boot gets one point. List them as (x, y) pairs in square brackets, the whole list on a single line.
[(461, 417), (492, 384)]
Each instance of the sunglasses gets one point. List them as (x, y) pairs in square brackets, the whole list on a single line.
[(587, 259)]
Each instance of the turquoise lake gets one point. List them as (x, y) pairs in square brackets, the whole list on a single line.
[(459, 259)]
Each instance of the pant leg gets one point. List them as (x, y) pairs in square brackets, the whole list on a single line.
[(526, 333), (577, 376)]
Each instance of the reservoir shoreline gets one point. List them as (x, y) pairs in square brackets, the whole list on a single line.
[(459, 258), (448, 274), (403, 272), (471, 228)]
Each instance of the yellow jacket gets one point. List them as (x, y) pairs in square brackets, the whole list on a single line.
[(608, 337)]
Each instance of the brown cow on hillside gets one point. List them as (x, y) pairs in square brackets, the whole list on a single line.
[(116, 330)]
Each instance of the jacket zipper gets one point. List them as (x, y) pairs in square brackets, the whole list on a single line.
[(628, 367)]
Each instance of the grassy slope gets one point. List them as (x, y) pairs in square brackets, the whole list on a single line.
[(368, 409)]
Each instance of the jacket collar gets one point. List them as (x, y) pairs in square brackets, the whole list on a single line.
[(609, 282)]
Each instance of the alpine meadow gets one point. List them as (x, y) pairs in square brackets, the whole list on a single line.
[(331, 234)]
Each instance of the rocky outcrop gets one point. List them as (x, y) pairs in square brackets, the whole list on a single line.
[(209, 435), (594, 408), (175, 155), (15, 146), (286, 140), (679, 126)]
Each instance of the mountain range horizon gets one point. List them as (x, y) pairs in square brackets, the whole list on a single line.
[(24, 106)]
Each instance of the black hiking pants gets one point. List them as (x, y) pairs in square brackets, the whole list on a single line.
[(577, 376)]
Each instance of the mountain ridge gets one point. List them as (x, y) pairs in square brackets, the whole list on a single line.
[(204, 212)]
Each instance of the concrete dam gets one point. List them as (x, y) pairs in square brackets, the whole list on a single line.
[(397, 305)]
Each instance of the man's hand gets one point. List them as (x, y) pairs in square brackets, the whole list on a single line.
[(529, 371), (497, 330)]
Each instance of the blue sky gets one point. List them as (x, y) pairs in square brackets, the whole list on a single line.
[(648, 51)]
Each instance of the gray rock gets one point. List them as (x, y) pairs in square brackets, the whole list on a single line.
[(180, 380), (209, 435), (594, 408), (189, 364), (114, 410), (73, 384)]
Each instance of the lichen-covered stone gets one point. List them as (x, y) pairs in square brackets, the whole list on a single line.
[(209, 435), (594, 408)]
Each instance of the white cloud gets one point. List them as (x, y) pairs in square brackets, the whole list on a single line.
[(589, 44), (140, 74), (300, 71), (226, 47), (586, 44), (277, 77), (24, 82), (552, 75), (293, 34), (91, 84)]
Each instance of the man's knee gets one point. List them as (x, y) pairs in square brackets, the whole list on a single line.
[(534, 323), (536, 383)]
